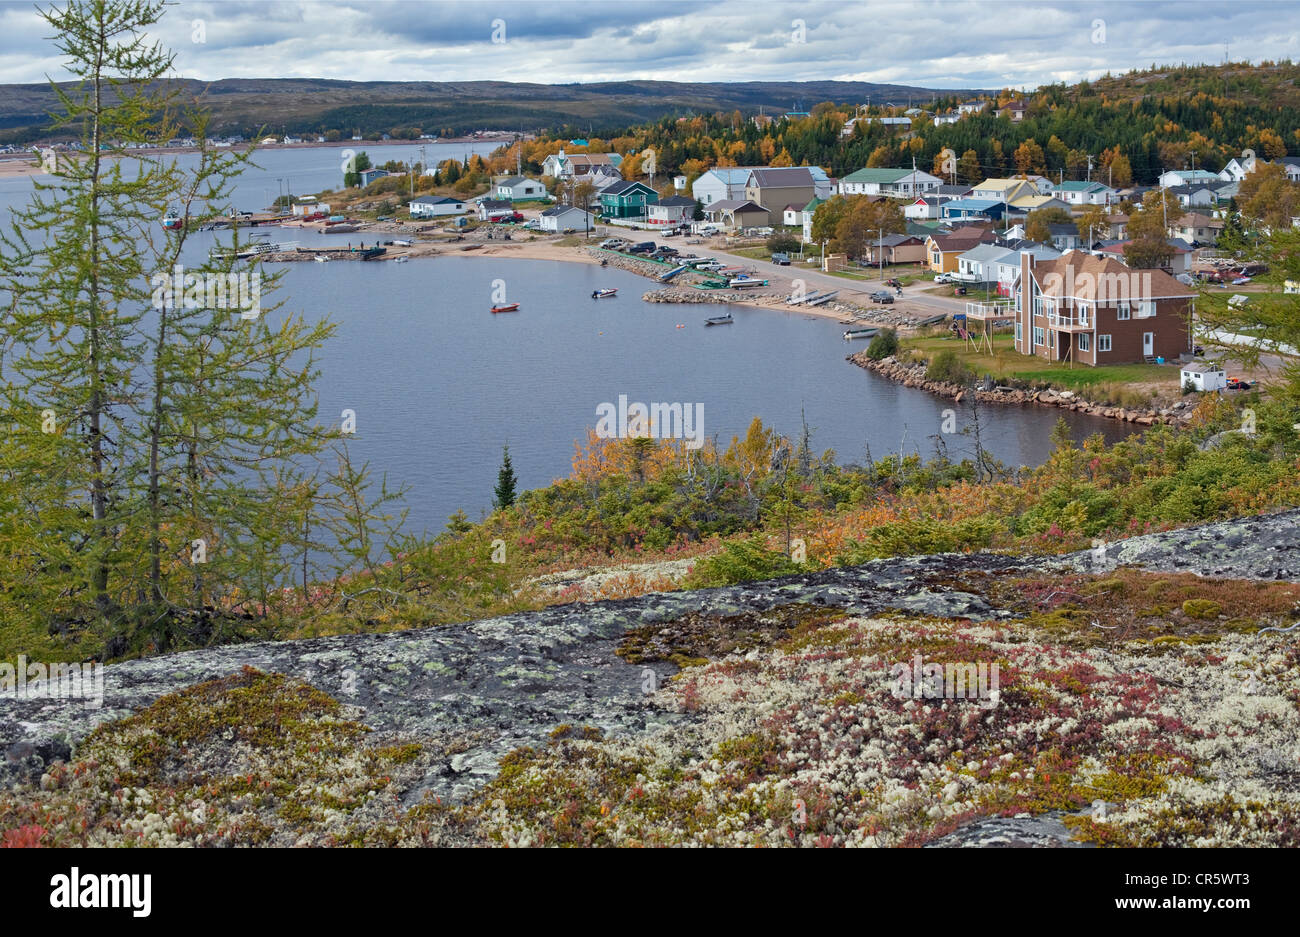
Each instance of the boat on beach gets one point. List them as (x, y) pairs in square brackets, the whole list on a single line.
[(741, 282), (321, 259), (508, 307), (719, 320), (604, 294), (850, 334)]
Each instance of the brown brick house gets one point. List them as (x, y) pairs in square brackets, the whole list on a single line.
[(1095, 310)]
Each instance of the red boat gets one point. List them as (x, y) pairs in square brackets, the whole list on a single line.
[(509, 307)]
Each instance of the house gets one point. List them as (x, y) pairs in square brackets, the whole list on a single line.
[(950, 118), (978, 265), (563, 166), (310, 205), (1117, 226), (1095, 310), (600, 179), (1085, 193), (1203, 376), (721, 184), (1024, 204), (561, 218), (490, 209), (1179, 262), (1237, 169), (896, 249), (1003, 190), (627, 199), (737, 214), (1291, 166), (1172, 177), (895, 183), (791, 216), (1065, 236), (970, 107), (806, 218), (1042, 184), (520, 189), (434, 206), (973, 209), (1006, 269), (1196, 195), (368, 176), (942, 250), (926, 208), (776, 188), (672, 211), (1196, 228), (1016, 110)]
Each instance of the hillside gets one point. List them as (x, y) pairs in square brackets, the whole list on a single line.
[(301, 105)]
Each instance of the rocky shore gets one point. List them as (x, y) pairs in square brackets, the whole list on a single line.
[(913, 375)]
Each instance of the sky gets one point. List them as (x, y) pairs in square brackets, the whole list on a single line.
[(931, 44)]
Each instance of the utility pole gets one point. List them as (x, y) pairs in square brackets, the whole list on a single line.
[(1089, 167)]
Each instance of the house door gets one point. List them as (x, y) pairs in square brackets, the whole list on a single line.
[(1148, 344)]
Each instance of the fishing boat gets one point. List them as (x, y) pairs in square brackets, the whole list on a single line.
[(719, 320), (850, 334), (401, 260), (740, 282), (668, 275), (604, 294), (508, 307), (171, 221), (321, 259)]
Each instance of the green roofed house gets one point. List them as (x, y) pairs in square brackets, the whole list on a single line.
[(627, 199), (895, 183), (806, 218)]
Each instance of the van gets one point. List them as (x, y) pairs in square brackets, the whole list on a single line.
[(781, 260)]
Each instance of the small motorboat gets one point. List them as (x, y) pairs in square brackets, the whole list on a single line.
[(603, 294), (719, 320), (321, 259), (401, 260), (508, 307), (171, 221)]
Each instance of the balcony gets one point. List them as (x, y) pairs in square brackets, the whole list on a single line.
[(991, 311), (1070, 322)]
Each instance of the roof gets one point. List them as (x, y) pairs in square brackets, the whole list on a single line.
[(437, 200), (880, 176), (956, 191), (1066, 228), (973, 204), (812, 206), (894, 240), (1039, 252), (513, 180), (1117, 247), (1091, 276), (1189, 189), (677, 200), (625, 185), (732, 175), (1000, 185), (1197, 219), (1202, 367), (491, 203), (961, 243), (984, 253), (1075, 185), (561, 210), (734, 205), (781, 178)]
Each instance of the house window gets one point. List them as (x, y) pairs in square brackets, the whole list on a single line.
[(1051, 338), (1083, 313), (1038, 336), (1103, 343), (1019, 332), (1146, 309), (1122, 311), (1085, 341)]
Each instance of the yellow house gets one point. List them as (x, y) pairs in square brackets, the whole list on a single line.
[(1004, 190), (942, 250)]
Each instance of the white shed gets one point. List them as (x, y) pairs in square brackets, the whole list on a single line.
[(1203, 376)]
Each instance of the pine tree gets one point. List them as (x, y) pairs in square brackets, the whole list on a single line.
[(505, 490)]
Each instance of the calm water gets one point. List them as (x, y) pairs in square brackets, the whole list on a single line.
[(439, 384)]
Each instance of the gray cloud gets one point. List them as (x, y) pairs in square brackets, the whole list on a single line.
[(959, 43)]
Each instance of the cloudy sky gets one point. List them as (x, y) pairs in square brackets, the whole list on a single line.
[(931, 43)]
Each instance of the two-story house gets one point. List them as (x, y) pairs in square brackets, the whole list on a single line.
[(896, 183), (776, 188), (627, 199), (1095, 310)]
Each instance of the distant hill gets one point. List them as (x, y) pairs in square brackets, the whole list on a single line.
[(297, 105)]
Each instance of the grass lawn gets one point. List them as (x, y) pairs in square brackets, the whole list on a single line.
[(1006, 362)]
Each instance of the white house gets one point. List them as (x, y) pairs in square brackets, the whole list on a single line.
[(1172, 177), (1084, 193), (926, 208), (434, 206), (672, 211), (895, 183), (1006, 269), (950, 118), (1194, 196), (490, 209), (977, 265), (722, 183), (1237, 169), (309, 205), (566, 218), (1203, 376), (970, 107), (520, 188), (806, 218)]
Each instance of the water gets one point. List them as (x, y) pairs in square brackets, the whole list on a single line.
[(439, 384)]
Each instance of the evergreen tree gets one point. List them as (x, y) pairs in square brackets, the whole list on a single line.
[(505, 490)]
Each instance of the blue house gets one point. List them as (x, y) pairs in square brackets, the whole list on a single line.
[(973, 209)]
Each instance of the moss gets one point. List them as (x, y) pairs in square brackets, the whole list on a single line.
[(1202, 609)]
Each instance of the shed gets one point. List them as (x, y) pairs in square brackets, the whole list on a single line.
[(1203, 376)]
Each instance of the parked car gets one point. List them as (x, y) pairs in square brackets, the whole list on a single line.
[(711, 265), (781, 259), (943, 278), (612, 243), (671, 233), (882, 296), (1235, 383), (644, 247)]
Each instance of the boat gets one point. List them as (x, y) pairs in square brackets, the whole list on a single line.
[(669, 274), (400, 260), (850, 334), (508, 307), (719, 320), (822, 298), (604, 294), (321, 259), (341, 229), (171, 221), (739, 282), (931, 320)]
